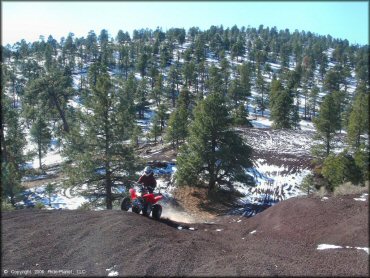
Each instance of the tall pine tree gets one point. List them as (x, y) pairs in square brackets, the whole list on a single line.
[(214, 153), (100, 156)]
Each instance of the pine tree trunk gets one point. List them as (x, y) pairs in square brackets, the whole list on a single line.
[(327, 145), (211, 183), (108, 189), (61, 113), (173, 98), (305, 106), (262, 108), (4, 157), (12, 199), (40, 156)]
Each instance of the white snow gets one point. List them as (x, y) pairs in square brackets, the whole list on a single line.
[(60, 198), (261, 122), (111, 271), (328, 246), (362, 197), (331, 246)]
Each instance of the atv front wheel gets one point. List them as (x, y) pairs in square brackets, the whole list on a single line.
[(157, 211), (125, 203), (147, 209), (136, 209)]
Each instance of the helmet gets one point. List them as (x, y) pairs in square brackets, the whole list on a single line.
[(148, 170)]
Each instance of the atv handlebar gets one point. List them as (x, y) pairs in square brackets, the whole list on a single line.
[(141, 186)]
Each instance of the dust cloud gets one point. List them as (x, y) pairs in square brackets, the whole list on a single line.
[(177, 215)]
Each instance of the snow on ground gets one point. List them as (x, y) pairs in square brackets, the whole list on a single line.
[(280, 141), (331, 246), (362, 198), (261, 122), (59, 199), (307, 125)]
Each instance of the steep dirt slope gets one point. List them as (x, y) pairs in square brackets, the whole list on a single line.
[(282, 240)]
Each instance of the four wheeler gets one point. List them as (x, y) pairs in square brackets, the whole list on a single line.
[(141, 200)]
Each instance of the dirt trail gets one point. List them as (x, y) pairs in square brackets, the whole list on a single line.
[(282, 241)]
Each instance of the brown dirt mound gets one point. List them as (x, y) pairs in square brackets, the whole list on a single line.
[(282, 241)]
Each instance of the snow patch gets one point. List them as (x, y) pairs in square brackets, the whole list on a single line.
[(328, 246), (111, 271), (362, 197)]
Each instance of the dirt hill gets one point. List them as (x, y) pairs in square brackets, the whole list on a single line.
[(283, 240)]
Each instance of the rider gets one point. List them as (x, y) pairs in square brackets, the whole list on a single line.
[(148, 180)]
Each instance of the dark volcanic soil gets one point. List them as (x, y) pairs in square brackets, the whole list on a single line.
[(282, 241)]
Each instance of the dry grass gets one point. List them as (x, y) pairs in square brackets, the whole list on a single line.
[(200, 202), (321, 192), (192, 199), (349, 188)]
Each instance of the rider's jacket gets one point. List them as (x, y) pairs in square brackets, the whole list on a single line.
[(148, 180)]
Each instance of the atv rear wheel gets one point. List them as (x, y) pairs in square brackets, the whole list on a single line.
[(157, 211), (125, 203), (147, 209)]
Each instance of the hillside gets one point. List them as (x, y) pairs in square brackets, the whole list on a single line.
[(306, 236), (50, 87)]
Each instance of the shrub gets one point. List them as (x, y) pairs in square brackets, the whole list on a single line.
[(6, 206), (340, 168), (85, 206), (322, 192), (308, 184), (39, 205), (349, 188)]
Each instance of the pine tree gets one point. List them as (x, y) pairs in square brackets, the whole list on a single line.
[(49, 189), (136, 135), (41, 135), (361, 157), (214, 82), (141, 98), (142, 64), (177, 129), (332, 80), (328, 121), (308, 183), (162, 115), (240, 116), (281, 106), (157, 92), (358, 119), (213, 152), (155, 130), (13, 144), (173, 84), (235, 92), (312, 101), (51, 93), (262, 90), (100, 156), (341, 168)]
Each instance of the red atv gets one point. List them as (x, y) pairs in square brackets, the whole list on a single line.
[(144, 201)]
